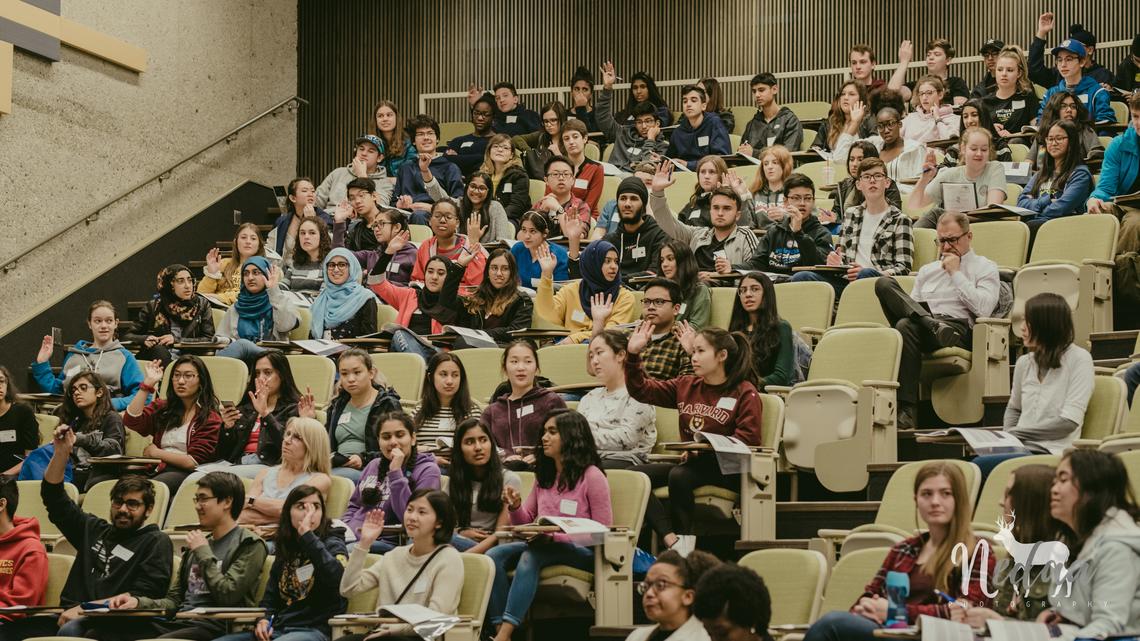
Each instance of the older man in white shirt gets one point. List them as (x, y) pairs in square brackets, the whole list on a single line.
[(949, 295)]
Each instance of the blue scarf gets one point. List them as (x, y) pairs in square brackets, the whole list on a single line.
[(337, 304), (593, 282), (255, 313)]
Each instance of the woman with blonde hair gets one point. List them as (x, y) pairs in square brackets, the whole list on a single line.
[(223, 275), (304, 461), (1013, 103), (712, 172), (509, 180), (767, 188)]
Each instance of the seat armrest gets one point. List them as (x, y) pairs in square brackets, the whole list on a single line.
[(617, 547), (664, 458), (1120, 443), (854, 325), (1051, 261), (886, 384), (778, 390), (993, 321), (1086, 443), (828, 533), (1098, 262), (879, 527)]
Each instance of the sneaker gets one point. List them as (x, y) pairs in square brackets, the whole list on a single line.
[(943, 333), (685, 544), (907, 416)]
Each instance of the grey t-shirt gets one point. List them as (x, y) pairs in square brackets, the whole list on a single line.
[(487, 520), (350, 430), (993, 177), (197, 592)]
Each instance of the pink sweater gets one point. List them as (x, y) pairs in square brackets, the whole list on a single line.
[(590, 499)]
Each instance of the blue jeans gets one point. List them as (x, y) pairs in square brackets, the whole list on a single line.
[(842, 626), (382, 546), (1132, 380), (242, 349), (461, 543), (837, 281), (348, 473), (510, 601), (419, 217), (987, 462), (403, 341), (285, 634)]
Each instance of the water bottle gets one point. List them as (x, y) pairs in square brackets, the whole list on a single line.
[(898, 588), (828, 173)]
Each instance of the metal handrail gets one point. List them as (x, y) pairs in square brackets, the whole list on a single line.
[(227, 137)]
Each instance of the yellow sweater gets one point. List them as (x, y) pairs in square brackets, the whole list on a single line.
[(225, 290), (565, 309)]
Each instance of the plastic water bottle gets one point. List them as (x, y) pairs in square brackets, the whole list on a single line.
[(898, 588), (828, 173)]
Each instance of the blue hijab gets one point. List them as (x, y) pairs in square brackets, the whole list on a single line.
[(593, 282), (337, 304), (255, 312)]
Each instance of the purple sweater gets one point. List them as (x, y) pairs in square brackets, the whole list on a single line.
[(395, 490), (519, 423), (404, 260), (590, 499)]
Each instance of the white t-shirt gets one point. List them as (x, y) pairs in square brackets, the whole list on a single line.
[(992, 177), (174, 439), (1064, 393), (867, 237)]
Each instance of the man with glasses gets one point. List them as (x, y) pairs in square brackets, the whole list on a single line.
[(798, 239), (631, 145), (411, 183), (467, 151), (772, 124), (949, 295), (664, 358), (120, 554), (559, 201), (362, 209), (385, 224), (221, 566)]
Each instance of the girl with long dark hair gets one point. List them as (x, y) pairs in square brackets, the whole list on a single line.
[(174, 313), (479, 206), (389, 125), (19, 420), (476, 481), (1063, 181), (754, 314), (497, 307), (534, 229), (510, 183), (256, 432), (850, 113), (98, 428), (445, 401), (302, 272), (1064, 105), (642, 88), (677, 262)]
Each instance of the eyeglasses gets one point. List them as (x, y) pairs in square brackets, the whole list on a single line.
[(202, 499), (890, 124), (800, 199), (647, 122), (1056, 139), (926, 93), (1068, 105), (949, 240), (656, 302), (502, 147), (184, 376), (873, 177), (133, 504), (658, 586), (559, 174), (338, 265), (381, 223), (441, 216), (475, 187), (81, 387)]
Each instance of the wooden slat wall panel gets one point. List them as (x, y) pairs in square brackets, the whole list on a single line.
[(353, 52)]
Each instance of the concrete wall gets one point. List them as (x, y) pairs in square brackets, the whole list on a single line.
[(83, 130)]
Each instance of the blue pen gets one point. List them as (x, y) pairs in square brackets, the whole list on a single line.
[(269, 627), (949, 599)]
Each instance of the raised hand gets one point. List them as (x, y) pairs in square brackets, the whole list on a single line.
[(639, 339), (685, 335), (274, 278), (473, 92), (306, 406), (397, 242), (663, 178), (735, 182), (572, 226), (465, 257), (1045, 23), (46, 349), (372, 527), (64, 438), (259, 399), (214, 261), (608, 75), (858, 111), (343, 212), (601, 306), (474, 231), (153, 372), (511, 497), (906, 52), (546, 261), (929, 165)]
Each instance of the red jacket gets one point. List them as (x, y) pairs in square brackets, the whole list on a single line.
[(23, 565), (903, 557), (202, 438), (588, 184), (472, 277)]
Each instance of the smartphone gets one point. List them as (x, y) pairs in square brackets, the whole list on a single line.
[(720, 253), (228, 404), (95, 605), (57, 336)]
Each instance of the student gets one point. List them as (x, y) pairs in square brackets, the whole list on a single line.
[(1047, 77), (427, 572), (667, 596), (699, 134), (902, 157), (989, 52), (388, 480), (609, 220), (22, 555), (716, 103), (847, 193), (271, 400), (300, 202), (712, 172), (102, 354), (467, 151), (364, 208), (639, 238), (385, 224), (798, 238), (773, 124), (568, 482), (534, 229), (345, 308), (445, 401), (631, 145), (876, 238), (588, 174), (174, 313), (369, 153), (142, 566), (447, 242), (509, 180), (1128, 71), (98, 428), (732, 603), (396, 146), (931, 119), (518, 406), (512, 118), (540, 146), (642, 89), (1070, 56), (1064, 105), (302, 274), (497, 307), (430, 166), (767, 189), (222, 277), (354, 414), (1062, 183), (303, 590), (718, 249), (570, 307), (477, 205), (304, 461), (220, 567), (977, 168), (976, 114), (848, 114), (560, 200), (624, 429), (693, 301), (477, 479), (1012, 101), (943, 503), (754, 314), (1119, 175), (861, 59), (1091, 498), (18, 426), (1052, 383), (939, 53), (260, 313), (582, 98), (184, 425)]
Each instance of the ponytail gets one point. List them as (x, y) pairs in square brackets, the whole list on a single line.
[(738, 366)]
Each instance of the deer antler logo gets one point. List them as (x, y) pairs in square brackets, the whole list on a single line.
[(1029, 555)]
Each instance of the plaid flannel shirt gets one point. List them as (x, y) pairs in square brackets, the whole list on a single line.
[(903, 557), (892, 251), (665, 359)]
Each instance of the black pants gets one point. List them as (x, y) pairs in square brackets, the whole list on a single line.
[(904, 314), (682, 480), (155, 352)]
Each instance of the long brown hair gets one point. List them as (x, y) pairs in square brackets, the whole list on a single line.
[(836, 118), (235, 259), (940, 567), (783, 156), (721, 170), (488, 166), (486, 299), (1029, 498), (1014, 52), (395, 144), (1050, 322), (324, 246)]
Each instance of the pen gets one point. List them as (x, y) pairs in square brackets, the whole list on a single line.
[(269, 627), (949, 599)]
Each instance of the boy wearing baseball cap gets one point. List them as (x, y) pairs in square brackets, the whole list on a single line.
[(1046, 76), (367, 154), (1070, 56), (989, 52)]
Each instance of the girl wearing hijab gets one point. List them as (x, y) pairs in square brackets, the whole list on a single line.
[(260, 313), (573, 305), (345, 308), (175, 313)]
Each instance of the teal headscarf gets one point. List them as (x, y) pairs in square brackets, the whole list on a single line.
[(255, 313), (337, 304)]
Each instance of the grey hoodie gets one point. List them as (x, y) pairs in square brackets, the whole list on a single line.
[(334, 188), (629, 147), (1106, 600), (784, 129)]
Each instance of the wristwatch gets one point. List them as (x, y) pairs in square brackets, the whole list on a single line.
[(249, 501)]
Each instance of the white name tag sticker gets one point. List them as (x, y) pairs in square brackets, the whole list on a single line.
[(1018, 104), (702, 140), (305, 572), (633, 151), (345, 417), (726, 403), (696, 213), (534, 282), (393, 268), (466, 144), (567, 506), (638, 252), (508, 188), (684, 306), (512, 120), (8, 436), (1084, 98), (581, 183), (122, 552), (578, 316), (771, 140), (525, 410)]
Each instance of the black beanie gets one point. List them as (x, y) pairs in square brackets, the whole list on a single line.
[(633, 185), (1078, 32)]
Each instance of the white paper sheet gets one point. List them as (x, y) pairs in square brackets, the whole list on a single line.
[(732, 454)]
